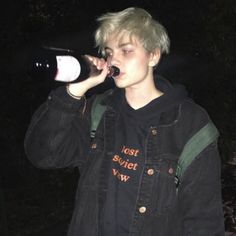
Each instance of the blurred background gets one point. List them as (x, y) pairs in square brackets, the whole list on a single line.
[(202, 32)]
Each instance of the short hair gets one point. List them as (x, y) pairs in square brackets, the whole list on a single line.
[(135, 22)]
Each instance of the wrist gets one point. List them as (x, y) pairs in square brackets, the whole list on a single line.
[(74, 93)]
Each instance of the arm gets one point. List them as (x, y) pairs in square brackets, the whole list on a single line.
[(58, 135), (200, 196)]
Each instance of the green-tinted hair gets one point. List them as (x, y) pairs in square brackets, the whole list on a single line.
[(136, 22)]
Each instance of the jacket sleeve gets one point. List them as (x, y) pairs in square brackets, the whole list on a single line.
[(58, 134), (200, 195)]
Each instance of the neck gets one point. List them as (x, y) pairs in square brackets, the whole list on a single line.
[(139, 97)]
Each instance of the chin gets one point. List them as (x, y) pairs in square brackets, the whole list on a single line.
[(120, 84)]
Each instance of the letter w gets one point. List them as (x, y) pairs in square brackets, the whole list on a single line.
[(124, 178)]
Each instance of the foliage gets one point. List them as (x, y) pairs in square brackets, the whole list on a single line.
[(202, 26), (220, 25), (218, 42)]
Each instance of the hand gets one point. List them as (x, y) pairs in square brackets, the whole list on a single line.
[(96, 78)]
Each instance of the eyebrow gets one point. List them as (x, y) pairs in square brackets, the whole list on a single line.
[(119, 46)]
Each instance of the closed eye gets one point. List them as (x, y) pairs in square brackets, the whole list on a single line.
[(127, 51), (107, 54)]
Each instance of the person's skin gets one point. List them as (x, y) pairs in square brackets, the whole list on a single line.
[(136, 70)]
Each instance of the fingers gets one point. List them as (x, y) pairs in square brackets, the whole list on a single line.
[(94, 79), (101, 66), (100, 63), (99, 76)]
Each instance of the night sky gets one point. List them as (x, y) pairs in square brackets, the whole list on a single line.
[(202, 57)]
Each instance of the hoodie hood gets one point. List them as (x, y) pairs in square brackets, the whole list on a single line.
[(174, 94)]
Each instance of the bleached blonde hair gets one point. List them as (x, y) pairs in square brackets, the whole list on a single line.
[(136, 22)]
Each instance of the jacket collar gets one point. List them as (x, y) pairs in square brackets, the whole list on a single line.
[(173, 107)]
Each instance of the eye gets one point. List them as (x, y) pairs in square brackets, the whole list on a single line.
[(108, 54), (127, 51)]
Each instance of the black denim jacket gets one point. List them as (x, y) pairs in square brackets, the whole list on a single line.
[(58, 136)]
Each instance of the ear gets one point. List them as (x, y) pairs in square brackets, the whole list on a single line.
[(155, 56)]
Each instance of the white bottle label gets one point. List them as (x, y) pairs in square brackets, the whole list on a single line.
[(68, 68)]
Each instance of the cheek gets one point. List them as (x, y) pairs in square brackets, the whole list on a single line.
[(137, 66), (137, 62)]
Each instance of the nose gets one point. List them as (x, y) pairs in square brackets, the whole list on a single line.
[(113, 59)]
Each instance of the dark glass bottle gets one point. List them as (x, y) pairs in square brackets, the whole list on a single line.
[(63, 65)]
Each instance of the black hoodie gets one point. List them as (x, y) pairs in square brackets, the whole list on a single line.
[(128, 157)]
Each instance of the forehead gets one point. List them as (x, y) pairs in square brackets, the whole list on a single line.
[(121, 38)]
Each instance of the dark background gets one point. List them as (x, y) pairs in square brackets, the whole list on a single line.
[(202, 33)]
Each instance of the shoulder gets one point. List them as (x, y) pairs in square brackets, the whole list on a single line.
[(192, 111), (192, 117)]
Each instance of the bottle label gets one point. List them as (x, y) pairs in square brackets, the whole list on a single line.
[(68, 68)]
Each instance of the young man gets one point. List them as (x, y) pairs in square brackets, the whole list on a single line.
[(127, 171)]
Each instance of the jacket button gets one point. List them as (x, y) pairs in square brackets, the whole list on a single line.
[(150, 172), (94, 145), (171, 171), (154, 131), (142, 209)]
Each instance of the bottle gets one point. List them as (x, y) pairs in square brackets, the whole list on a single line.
[(63, 65)]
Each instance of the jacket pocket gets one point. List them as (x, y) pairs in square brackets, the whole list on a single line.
[(164, 187)]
